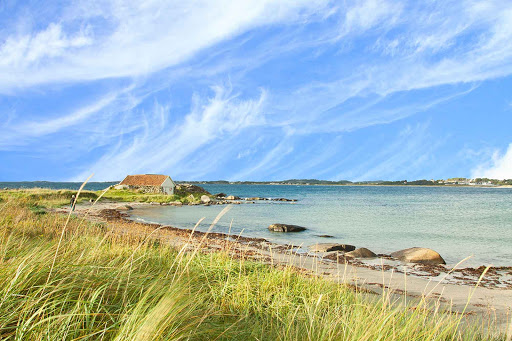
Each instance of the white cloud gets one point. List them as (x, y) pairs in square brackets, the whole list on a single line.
[(499, 167), (22, 51), (135, 38), (222, 116), (370, 13)]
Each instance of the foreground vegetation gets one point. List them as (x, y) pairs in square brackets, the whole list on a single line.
[(63, 278)]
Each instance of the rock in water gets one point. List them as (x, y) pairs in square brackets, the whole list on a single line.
[(232, 197), (328, 247), (205, 199), (285, 228), (361, 253), (124, 208), (419, 255)]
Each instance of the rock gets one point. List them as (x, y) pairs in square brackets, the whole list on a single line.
[(419, 255), (120, 187), (124, 208), (285, 228), (232, 197), (324, 236), (205, 199), (176, 203), (183, 189), (220, 195), (327, 247), (361, 253)]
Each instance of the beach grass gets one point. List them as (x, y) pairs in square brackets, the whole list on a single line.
[(95, 284), (56, 198)]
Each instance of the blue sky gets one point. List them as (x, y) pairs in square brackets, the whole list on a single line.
[(255, 90)]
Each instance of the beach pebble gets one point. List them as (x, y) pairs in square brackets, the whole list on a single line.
[(285, 228), (419, 255), (361, 253), (328, 247)]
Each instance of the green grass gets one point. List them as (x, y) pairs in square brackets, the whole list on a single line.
[(107, 286), (133, 196), (40, 197)]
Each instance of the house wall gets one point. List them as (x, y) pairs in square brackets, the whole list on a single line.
[(168, 186)]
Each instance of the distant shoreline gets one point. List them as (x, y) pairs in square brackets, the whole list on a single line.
[(103, 185)]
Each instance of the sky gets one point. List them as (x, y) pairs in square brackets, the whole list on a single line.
[(255, 89)]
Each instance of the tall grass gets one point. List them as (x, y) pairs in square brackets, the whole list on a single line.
[(110, 286)]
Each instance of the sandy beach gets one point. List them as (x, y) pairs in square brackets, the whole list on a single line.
[(455, 289)]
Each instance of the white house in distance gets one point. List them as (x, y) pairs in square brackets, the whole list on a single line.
[(148, 183)]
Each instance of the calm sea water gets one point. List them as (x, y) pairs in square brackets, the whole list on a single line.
[(455, 221)]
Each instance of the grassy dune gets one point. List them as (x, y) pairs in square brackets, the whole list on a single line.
[(56, 198), (72, 279)]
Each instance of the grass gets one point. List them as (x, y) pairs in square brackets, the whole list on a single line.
[(111, 286), (42, 197), (133, 196)]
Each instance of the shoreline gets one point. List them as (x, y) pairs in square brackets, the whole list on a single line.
[(492, 297), (497, 277)]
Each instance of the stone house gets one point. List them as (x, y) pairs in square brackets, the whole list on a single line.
[(148, 183)]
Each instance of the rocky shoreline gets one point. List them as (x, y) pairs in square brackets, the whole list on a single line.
[(429, 266)]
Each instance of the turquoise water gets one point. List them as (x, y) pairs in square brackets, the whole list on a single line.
[(455, 221)]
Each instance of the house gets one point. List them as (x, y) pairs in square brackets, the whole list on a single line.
[(149, 183)]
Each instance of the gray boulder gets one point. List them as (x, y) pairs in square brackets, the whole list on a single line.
[(328, 247), (419, 255), (124, 208), (205, 199), (285, 228), (361, 253)]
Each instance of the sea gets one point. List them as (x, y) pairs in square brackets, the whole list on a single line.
[(457, 222)]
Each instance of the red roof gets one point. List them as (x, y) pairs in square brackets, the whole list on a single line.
[(144, 180)]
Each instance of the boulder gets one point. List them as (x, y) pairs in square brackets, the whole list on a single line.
[(205, 199), (328, 247), (324, 236), (419, 255), (285, 228), (362, 252), (183, 189), (220, 195), (232, 197), (124, 208)]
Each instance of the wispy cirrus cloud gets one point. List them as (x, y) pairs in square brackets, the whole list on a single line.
[(122, 39), (301, 76), (209, 120)]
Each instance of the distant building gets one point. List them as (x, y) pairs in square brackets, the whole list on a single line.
[(149, 183)]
